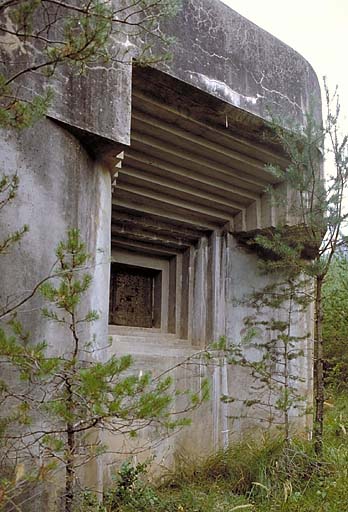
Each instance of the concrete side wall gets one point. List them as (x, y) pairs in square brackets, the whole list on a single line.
[(60, 186)]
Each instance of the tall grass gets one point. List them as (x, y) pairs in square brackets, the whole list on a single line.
[(260, 475)]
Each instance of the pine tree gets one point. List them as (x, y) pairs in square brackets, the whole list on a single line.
[(74, 394), (39, 36), (271, 350), (312, 216)]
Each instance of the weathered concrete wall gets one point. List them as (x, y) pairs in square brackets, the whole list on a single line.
[(221, 52), (98, 102), (216, 50), (60, 187), (234, 276)]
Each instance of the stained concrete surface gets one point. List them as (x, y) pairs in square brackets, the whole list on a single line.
[(65, 182)]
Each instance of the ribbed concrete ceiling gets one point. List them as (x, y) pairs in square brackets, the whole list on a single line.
[(181, 178)]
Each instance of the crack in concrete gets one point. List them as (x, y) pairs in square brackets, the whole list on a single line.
[(274, 91)]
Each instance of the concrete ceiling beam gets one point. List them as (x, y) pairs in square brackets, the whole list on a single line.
[(217, 183), (180, 205), (167, 113), (136, 233), (152, 146), (164, 212), (176, 189), (194, 144), (144, 247), (151, 223)]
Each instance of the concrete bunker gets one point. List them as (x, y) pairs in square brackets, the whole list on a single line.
[(162, 170), (193, 175), (188, 192)]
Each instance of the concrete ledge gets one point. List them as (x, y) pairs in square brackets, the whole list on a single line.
[(220, 52)]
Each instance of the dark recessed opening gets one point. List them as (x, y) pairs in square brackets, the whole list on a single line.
[(135, 296)]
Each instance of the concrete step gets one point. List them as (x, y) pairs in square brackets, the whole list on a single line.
[(149, 343), (155, 339), (146, 350), (141, 331)]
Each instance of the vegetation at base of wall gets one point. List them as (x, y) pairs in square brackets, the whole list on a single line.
[(249, 476), (75, 395), (311, 220)]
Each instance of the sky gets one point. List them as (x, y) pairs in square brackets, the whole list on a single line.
[(317, 29)]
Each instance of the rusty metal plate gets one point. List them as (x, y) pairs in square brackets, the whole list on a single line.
[(132, 296)]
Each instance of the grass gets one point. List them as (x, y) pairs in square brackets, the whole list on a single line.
[(251, 476)]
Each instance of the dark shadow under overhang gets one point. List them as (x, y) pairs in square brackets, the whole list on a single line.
[(195, 165)]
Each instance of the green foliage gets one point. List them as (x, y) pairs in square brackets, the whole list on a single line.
[(87, 501), (258, 475), (73, 393), (271, 351), (311, 218), (335, 323), (78, 36), (17, 113), (310, 208), (130, 490), (8, 190)]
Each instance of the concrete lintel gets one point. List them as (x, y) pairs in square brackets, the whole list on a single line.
[(138, 233), (147, 237)]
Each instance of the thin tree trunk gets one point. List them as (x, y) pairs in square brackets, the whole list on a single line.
[(286, 380), (69, 453), (286, 396), (69, 470), (318, 368), (70, 459)]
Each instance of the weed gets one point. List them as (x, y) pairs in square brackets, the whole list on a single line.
[(262, 475)]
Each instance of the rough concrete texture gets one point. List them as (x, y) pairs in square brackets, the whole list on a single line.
[(216, 50), (221, 52), (233, 274), (97, 103), (61, 185)]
